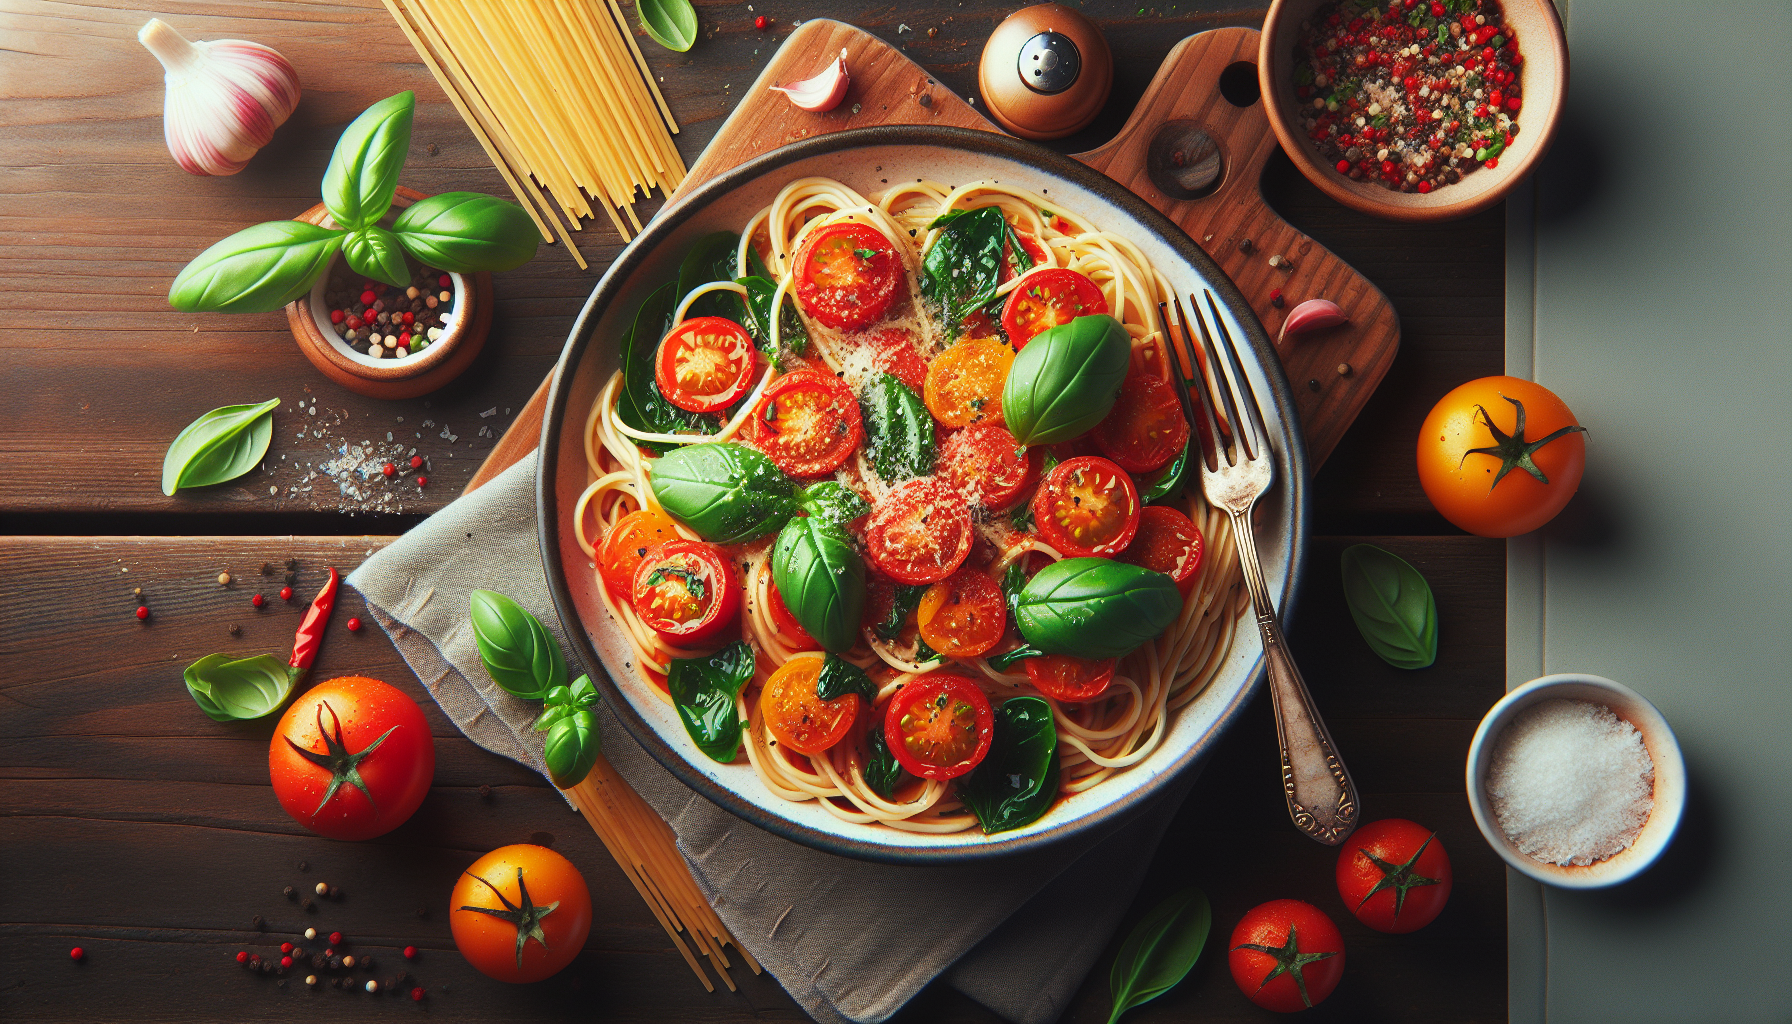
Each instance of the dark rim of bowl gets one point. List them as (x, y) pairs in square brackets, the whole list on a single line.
[(1291, 469)]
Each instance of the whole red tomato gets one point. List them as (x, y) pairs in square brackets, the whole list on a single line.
[(352, 758), (1286, 955), (520, 913), (1500, 456), (1394, 875)]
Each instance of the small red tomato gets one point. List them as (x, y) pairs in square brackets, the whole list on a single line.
[(352, 758), (1394, 875), (1286, 955)]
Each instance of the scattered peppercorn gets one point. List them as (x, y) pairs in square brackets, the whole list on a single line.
[(304, 866), (367, 962), (286, 947), (417, 994), (422, 912), (308, 904), (410, 952), (1343, 369), (311, 933), (389, 469), (77, 953), (142, 613), (485, 792), (242, 957), (323, 889), (1280, 262), (335, 963), (285, 961), (416, 462), (422, 481), (292, 564), (258, 600), (335, 938), (349, 961), (223, 579), (320, 961), (236, 630), (266, 569), (762, 23), (1313, 385), (1245, 246), (285, 593), (258, 923), (311, 979), (373, 986), (290, 578)]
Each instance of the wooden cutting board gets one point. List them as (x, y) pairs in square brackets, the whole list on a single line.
[(888, 88)]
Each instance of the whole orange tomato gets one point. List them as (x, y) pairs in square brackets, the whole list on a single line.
[(520, 913), (352, 758), (1500, 456)]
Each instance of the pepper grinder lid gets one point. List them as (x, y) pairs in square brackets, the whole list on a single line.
[(1046, 72)]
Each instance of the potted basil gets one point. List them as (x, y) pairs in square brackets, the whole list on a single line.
[(387, 290)]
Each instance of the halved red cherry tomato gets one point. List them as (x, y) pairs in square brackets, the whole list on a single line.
[(1070, 679), (790, 631), (847, 275), (964, 383), (921, 533), (963, 615), (939, 726), (808, 422), (705, 364), (1147, 428), (896, 356), (685, 590), (984, 463), (626, 544), (1167, 542), (1047, 299), (1087, 506), (796, 716)]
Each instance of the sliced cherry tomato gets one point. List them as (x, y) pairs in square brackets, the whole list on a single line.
[(1010, 266), (626, 544), (1394, 875), (984, 463), (1167, 542), (1087, 506), (963, 615), (896, 356), (799, 719), (790, 631), (1147, 428), (1067, 678), (1047, 299), (705, 364), (921, 533), (981, 324), (685, 591), (847, 275), (964, 383), (939, 726), (808, 422), (1286, 955)]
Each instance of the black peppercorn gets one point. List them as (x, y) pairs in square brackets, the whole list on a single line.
[(291, 893), (320, 961), (310, 905), (292, 563), (291, 578), (422, 912), (236, 630), (258, 923), (304, 866), (366, 962), (266, 569), (485, 792), (1245, 246), (1313, 385), (335, 963)]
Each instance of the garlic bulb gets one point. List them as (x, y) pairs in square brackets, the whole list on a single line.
[(225, 98), (823, 92)]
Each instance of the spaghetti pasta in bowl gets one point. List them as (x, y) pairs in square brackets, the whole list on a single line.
[(864, 478)]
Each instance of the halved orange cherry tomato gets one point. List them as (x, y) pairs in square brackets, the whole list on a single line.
[(964, 383), (705, 364), (685, 590), (790, 631), (921, 533), (795, 716), (1069, 679), (1167, 542), (939, 726), (808, 422), (985, 464), (1147, 427), (896, 356), (627, 543), (847, 275), (1047, 299), (963, 615), (1087, 506)]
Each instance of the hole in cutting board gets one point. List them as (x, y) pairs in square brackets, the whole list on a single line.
[(1238, 84), (1183, 161)]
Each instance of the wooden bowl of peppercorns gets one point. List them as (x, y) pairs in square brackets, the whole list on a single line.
[(1415, 110), (386, 342)]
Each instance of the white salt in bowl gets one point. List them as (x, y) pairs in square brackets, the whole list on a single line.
[(1664, 750)]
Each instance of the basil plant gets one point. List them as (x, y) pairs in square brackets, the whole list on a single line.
[(260, 269)]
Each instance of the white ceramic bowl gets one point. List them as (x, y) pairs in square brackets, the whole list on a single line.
[(1664, 750)]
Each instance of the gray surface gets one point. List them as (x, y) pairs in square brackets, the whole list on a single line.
[(1644, 286)]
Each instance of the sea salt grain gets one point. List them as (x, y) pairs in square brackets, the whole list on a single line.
[(1571, 782)]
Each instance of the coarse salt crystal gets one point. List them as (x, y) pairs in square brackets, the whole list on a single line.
[(1571, 782), (493, 411)]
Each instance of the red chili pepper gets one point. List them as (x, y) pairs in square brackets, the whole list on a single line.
[(311, 628)]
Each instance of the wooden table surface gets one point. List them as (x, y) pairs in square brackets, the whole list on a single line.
[(138, 829)]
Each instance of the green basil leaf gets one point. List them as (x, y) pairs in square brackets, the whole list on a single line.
[(822, 580), (1022, 517), (571, 748), (907, 597), (925, 653), (1391, 604), (1160, 950), (1066, 379), (704, 689), (583, 693), (221, 445), (468, 232), (553, 713), (726, 492), (712, 259), (1014, 580), (959, 274), (670, 23), (231, 690), (375, 252), (840, 677), (898, 429), (1002, 662), (833, 502), (1018, 779), (883, 773), (642, 406), (363, 172), (1096, 607), (1167, 485), (518, 651), (793, 337), (256, 270)]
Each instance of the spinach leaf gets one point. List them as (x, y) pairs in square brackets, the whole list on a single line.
[(571, 748), (363, 172), (833, 502), (1096, 607), (883, 773), (467, 232), (1391, 604), (231, 690), (923, 652), (792, 335), (642, 406), (898, 429), (518, 651), (1018, 779), (1002, 662), (1066, 380), (822, 580), (257, 270), (726, 492), (711, 259), (1167, 485), (221, 445), (902, 605), (840, 677), (670, 23), (704, 689), (1160, 950), (960, 272)]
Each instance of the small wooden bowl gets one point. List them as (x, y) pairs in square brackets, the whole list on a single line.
[(441, 362), (1543, 76)]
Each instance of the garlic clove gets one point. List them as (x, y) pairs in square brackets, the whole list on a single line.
[(823, 92), (224, 98), (1312, 315)]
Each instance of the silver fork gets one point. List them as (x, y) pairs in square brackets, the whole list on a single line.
[(1321, 798)]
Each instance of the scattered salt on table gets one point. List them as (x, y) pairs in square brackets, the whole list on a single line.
[(1571, 782)]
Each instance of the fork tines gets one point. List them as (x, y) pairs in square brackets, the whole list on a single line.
[(1249, 433)]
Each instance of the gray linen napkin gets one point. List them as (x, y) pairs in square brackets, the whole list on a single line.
[(1022, 931)]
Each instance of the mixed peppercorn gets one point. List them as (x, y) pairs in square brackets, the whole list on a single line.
[(384, 322), (1411, 94)]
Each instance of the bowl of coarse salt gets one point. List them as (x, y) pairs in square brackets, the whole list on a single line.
[(1576, 781)]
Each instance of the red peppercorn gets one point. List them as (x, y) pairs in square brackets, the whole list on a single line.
[(409, 318), (286, 595), (242, 957), (355, 323), (354, 626), (1343, 167), (410, 952), (1512, 104), (389, 469), (336, 316), (1487, 55), (258, 600), (1491, 162), (336, 937), (444, 280), (285, 962), (417, 994), (416, 462), (1437, 9), (1387, 167), (1480, 110), (367, 298), (423, 481), (404, 341), (76, 953), (286, 947), (762, 23), (1424, 187), (142, 612)]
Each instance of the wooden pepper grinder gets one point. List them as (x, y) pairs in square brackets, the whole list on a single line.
[(1046, 72)]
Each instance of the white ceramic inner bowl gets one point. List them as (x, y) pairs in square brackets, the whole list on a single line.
[(320, 313), (1664, 750)]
